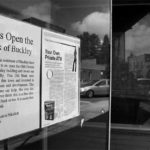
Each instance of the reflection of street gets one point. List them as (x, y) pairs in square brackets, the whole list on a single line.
[(93, 107), (73, 135), (69, 132)]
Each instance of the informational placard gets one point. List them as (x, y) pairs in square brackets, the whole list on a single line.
[(19, 77), (60, 77)]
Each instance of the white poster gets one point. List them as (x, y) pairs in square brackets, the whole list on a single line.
[(19, 77), (60, 77)]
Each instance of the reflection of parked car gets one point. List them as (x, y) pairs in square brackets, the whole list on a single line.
[(100, 87), (144, 86), (143, 82)]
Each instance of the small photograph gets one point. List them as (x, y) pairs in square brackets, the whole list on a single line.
[(74, 66), (49, 74), (49, 107)]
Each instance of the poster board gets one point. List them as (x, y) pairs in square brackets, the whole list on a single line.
[(20, 45), (60, 78)]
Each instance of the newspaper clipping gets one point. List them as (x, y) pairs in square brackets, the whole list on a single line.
[(60, 97)]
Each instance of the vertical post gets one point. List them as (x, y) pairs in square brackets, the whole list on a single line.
[(5, 144), (45, 138), (107, 132)]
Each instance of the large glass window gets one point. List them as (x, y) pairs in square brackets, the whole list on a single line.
[(89, 21), (130, 75)]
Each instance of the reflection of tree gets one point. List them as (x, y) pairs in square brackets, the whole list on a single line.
[(107, 71), (90, 43), (91, 47), (106, 50)]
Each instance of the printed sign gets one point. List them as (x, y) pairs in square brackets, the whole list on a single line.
[(60, 77), (19, 77)]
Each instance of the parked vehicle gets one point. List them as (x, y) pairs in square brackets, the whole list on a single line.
[(143, 82), (143, 86), (92, 88)]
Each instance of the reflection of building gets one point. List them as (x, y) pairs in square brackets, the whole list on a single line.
[(118, 53), (118, 48), (139, 65), (132, 64), (91, 71)]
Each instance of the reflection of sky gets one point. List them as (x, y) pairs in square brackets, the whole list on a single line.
[(138, 38), (76, 16)]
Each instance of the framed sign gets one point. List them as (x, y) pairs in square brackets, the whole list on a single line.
[(20, 45)]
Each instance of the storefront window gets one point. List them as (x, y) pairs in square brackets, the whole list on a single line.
[(131, 79), (130, 75), (69, 85)]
